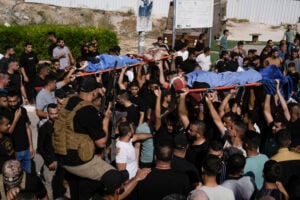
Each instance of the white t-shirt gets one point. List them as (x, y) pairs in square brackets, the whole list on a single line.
[(126, 154), (184, 54), (218, 193), (228, 145), (204, 61)]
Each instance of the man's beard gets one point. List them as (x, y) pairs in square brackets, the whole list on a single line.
[(14, 108)]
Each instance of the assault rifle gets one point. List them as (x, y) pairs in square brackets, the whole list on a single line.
[(109, 93)]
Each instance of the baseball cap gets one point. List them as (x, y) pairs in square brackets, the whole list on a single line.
[(113, 179), (180, 141), (88, 84), (12, 174)]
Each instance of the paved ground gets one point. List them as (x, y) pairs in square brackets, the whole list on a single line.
[(34, 120)]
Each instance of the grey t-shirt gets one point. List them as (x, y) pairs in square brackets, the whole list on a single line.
[(147, 147), (64, 61), (243, 188), (43, 99)]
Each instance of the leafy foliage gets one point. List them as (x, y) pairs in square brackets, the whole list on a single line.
[(74, 37)]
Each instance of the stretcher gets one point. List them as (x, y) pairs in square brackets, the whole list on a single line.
[(225, 87), (118, 68)]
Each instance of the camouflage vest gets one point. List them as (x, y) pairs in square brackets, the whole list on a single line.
[(65, 138)]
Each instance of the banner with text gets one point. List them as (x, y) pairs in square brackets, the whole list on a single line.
[(194, 14)]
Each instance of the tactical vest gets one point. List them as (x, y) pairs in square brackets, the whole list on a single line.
[(65, 138)]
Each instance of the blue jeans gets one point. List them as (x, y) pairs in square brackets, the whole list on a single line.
[(25, 158)]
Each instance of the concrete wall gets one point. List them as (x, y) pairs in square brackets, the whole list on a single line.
[(265, 11), (160, 7)]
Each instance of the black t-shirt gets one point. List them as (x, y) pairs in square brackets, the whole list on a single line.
[(295, 78), (182, 165), (178, 44), (148, 97), (162, 135), (160, 183), (28, 61), (86, 121), (189, 65), (133, 114), (34, 185), (4, 64), (232, 66), (45, 147), (6, 150), (14, 84), (19, 135), (221, 66), (199, 46), (39, 83), (83, 188), (196, 154), (269, 144), (295, 136), (50, 49), (59, 74), (139, 102)]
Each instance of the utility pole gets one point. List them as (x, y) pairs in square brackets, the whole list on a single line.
[(141, 43), (174, 24)]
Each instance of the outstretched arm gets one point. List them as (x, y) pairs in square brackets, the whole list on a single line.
[(283, 102), (267, 110), (225, 101), (162, 79), (141, 136), (216, 118), (157, 122), (182, 111), (139, 77), (251, 99), (129, 186), (120, 81)]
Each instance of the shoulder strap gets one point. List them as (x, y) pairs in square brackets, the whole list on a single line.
[(68, 98)]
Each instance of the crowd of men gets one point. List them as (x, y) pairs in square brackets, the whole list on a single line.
[(132, 134)]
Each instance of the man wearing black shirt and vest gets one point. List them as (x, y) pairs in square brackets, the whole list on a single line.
[(78, 131)]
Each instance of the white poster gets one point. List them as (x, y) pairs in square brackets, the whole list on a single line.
[(194, 14), (144, 21)]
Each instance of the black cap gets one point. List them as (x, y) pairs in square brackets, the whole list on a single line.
[(113, 179), (88, 84), (180, 141)]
